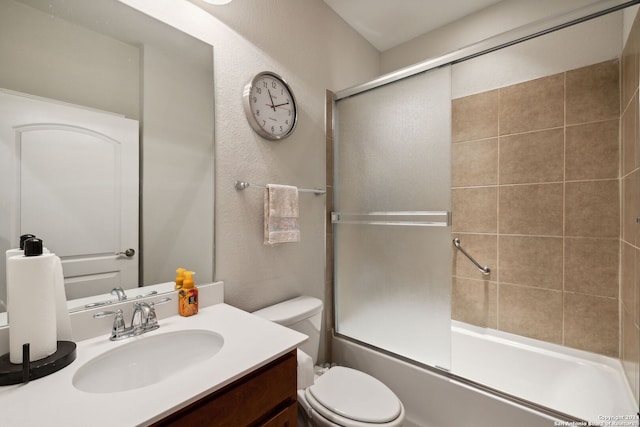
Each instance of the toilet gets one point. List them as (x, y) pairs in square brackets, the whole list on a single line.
[(340, 396)]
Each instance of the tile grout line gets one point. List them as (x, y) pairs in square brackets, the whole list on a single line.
[(564, 208), (497, 279), (621, 178)]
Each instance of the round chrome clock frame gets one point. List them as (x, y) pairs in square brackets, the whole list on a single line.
[(251, 114)]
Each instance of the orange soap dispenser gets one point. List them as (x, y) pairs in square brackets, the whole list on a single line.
[(188, 296)]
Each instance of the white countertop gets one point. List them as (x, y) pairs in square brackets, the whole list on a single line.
[(249, 343)]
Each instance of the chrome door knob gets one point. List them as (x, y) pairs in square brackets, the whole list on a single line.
[(129, 252)]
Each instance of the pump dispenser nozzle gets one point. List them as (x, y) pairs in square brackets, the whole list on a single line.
[(188, 280), (180, 277)]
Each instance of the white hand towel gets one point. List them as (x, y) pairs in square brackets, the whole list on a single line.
[(281, 214)]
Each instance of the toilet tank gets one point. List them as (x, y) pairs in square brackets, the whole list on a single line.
[(302, 314)]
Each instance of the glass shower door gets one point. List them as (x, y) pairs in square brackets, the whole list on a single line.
[(392, 217)]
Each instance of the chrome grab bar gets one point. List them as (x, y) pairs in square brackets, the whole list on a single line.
[(485, 270)]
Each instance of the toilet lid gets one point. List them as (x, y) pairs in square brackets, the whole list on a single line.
[(355, 395)]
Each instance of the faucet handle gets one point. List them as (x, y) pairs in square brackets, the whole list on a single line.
[(148, 294), (152, 320), (160, 301), (119, 330)]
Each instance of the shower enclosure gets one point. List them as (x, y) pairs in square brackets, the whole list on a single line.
[(454, 178)]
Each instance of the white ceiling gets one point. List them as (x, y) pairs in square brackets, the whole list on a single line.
[(388, 23)]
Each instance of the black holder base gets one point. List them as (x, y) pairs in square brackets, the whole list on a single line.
[(11, 373)]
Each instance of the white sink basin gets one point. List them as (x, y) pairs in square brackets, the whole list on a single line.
[(146, 360)]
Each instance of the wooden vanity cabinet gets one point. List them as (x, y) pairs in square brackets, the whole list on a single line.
[(265, 397)]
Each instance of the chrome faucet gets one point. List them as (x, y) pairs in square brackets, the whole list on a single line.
[(119, 292), (140, 317), (143, 320)]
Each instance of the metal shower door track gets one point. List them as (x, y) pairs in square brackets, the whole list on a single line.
[(500, 41)]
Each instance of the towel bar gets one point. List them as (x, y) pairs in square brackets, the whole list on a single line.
[(241, 185)]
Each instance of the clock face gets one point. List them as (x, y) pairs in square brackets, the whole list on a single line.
[(270, 106)]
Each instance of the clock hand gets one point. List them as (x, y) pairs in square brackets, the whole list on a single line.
[(280, 105), (271, 98)]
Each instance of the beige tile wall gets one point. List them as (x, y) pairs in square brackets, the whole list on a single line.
[(630, 207), (536, 198)]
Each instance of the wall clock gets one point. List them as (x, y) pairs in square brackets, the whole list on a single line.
[(270, 106)]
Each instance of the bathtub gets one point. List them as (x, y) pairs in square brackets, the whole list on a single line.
[(586, 385), (583, 385)]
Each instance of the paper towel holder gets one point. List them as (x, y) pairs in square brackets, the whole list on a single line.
[(13, 373)]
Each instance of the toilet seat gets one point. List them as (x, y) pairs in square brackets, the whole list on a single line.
[(352, 398)]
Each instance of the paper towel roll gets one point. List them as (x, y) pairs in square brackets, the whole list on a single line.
[(305, 370), (8, 254), (63, 321), (31, 306)]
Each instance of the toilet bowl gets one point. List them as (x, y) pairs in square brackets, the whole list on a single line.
[(340, 396), (350, 398)]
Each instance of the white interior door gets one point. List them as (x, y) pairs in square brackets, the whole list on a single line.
[(72, 180)]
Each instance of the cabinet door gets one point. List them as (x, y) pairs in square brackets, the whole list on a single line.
[(248, 401), (288, 417)]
